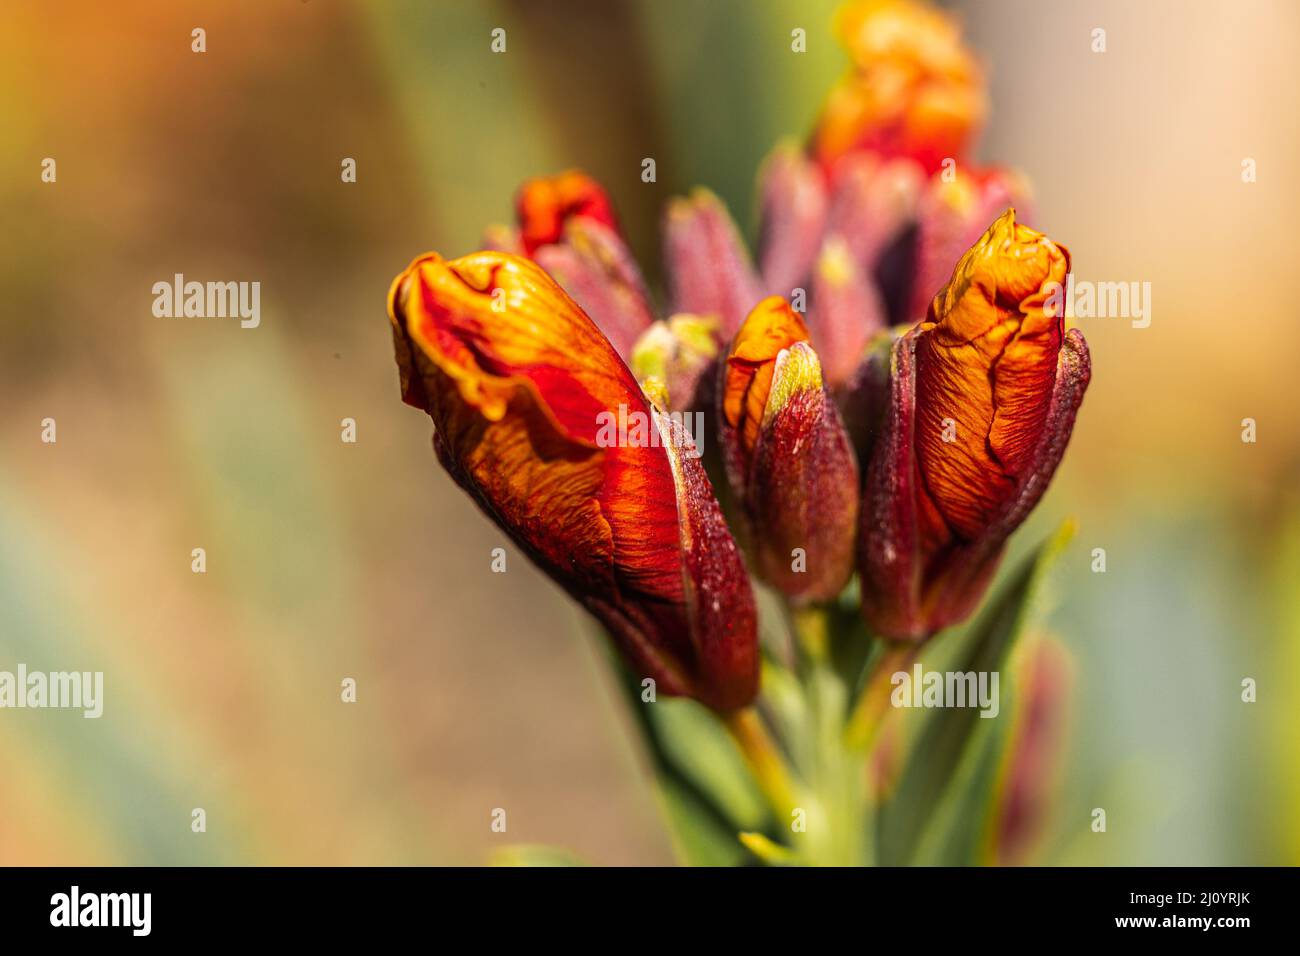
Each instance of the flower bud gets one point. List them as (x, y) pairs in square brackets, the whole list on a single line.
[(709, 271), (523, 389), (788, 458), (983, 397), (682, 353), (544, 205), (793, 205), (914, 91), (846, 313)]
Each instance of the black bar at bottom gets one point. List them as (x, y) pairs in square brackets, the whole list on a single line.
[(336, 905)]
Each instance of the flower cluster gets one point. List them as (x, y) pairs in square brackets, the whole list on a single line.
[(891, 386)]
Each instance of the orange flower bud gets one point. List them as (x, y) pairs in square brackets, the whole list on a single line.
[(788, 457), (543, 205), (983, 400), (522, 388), (915, 89)]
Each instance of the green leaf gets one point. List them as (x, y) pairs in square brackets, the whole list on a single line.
[(937, 811), (708, 796), (697, 744), (700, 836), (785, 701)]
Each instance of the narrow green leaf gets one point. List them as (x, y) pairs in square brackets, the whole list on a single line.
[(699, 835), (707, 793), (695, 742)]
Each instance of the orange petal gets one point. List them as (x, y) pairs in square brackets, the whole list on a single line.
[(986, 367), (982, 402)]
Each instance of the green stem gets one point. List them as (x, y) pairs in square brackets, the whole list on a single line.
[(838, 832), (872, 703), (812, 631), (765, 761)]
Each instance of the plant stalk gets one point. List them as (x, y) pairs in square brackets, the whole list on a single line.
[(765, 761)]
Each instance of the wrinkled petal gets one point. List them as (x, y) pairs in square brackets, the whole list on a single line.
[(982, 403), (986, 361), (914, 90), (521, 386)]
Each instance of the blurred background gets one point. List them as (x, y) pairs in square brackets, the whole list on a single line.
[(328, 560)]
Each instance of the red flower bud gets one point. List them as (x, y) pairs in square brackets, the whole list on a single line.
[(846, 313), (520, 384), (788, 458), (983, 400), (543, 206), (792, 192)]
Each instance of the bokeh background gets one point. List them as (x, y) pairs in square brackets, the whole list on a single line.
[(328, 560)]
